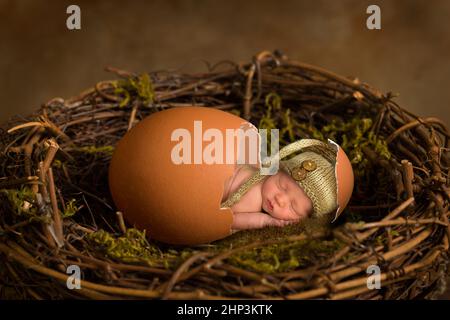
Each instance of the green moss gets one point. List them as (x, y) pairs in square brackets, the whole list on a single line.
[(286, 256), (352, 136), (288, 128), (272, 103), (124, 93), (306, 130), (394, 233), (380, 240), (57, 163), (283, 256), (108, 150), (20, 199), (70, 209), (242, 238), (141, 87), (134, 247), (23, 203)]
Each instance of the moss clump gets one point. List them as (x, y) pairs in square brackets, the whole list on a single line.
[(70, 209), (280, 119), (352, 136), (288, 129), (246, 237), (22, 202), (287, 256), (142, 87), (382, 240), (272, 103), (356, 134), (57, 163), (108, 150), (133, 247)]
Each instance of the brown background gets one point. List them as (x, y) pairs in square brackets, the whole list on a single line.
[(41, 59)]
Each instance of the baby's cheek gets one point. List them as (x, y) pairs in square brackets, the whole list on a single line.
[(307, 208), (310, 205), (268, 190)]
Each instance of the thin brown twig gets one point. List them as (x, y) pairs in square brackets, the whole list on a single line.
[(55, 211)]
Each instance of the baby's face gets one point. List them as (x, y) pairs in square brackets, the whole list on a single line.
[(284, 199)]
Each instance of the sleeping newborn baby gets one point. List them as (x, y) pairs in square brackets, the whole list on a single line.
[(304, 186), (278, 195)]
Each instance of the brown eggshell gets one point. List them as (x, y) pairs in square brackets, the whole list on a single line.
[(345, 180), (176, 204)]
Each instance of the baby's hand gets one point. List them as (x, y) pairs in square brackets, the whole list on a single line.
[(271, 221), (256, 220)]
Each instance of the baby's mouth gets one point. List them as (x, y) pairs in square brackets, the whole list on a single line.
[(269, 205)]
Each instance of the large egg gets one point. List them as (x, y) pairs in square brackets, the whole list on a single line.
[(175, 203), (344, 179)]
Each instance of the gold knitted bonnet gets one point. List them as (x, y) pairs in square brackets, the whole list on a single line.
[(314, 169)]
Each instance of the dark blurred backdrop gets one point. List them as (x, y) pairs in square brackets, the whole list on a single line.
[(41, 59)]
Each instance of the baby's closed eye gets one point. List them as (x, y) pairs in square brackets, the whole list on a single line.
[(282, 185)]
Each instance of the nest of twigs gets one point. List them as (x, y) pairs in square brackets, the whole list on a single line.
[(56, 210)]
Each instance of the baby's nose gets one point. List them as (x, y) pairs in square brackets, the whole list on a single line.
[(280, 200)]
